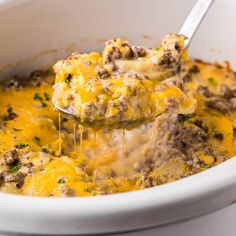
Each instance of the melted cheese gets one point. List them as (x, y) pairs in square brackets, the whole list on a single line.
[(90, 167)]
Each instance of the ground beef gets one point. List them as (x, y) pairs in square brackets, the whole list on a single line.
[(175, 138), (139, 51), (15, 82), (129, 52), (167, 59), (37, 76), (200, 124), (218, 135), (204, 91), (218, 103), (112, 56), (186, 77), (194, 69), (223, 102), (232, 102), (147, 181), (101, 174), (228, 92), (1, 179), (10, 158), (14, 166), (101, 72), (11, 115), (17, 179), (67, 191), (115, 53), (171, 104), (174, 81)]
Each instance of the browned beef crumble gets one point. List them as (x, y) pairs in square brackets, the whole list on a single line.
[(34, 79), (10, 158), (173, 138), (167, 59), (17, 179), (223, 102), (139, 51), (67, 191), (15, 167), (11, 115), (204, 91)]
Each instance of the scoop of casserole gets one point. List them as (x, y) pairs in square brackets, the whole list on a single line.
[(125, 86)]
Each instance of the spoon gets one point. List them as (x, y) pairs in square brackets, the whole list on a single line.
[(194, 19), (188, 29)]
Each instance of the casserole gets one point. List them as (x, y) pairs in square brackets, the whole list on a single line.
[(27, 23)]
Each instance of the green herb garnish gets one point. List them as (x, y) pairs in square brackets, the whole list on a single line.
[(158, 48), (15, 129), (46, 96), (203, 164), (37, 97), (14, 168), (36, 139), (86, 190), (68, 78), (43, 104), (212, 81), (21, 145), (183, 118), (61, 181), (44, 149)]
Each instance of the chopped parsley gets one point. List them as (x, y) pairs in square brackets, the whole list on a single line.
[(44, 149), (46, 96), (36, 139), (68, 78), (86, 190), (21, 145), (183, 118), (203, 164), (158, 48), (15, 129), (212, 81), (14, 168), (43, 104), (61, 181), (37, 97)]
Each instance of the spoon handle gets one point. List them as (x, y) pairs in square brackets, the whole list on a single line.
[(194, 19)]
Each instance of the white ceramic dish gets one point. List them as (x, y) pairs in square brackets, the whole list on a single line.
[(34, 34)]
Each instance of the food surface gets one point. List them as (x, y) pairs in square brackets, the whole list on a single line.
[(125, 86), (41, 156)]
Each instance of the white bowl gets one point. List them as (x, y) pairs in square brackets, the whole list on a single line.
[(34, 34)]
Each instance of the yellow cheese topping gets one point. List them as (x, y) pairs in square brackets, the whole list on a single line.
[(172, 147)]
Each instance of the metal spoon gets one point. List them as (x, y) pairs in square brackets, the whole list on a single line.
[(188, 29), (194, 19)]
